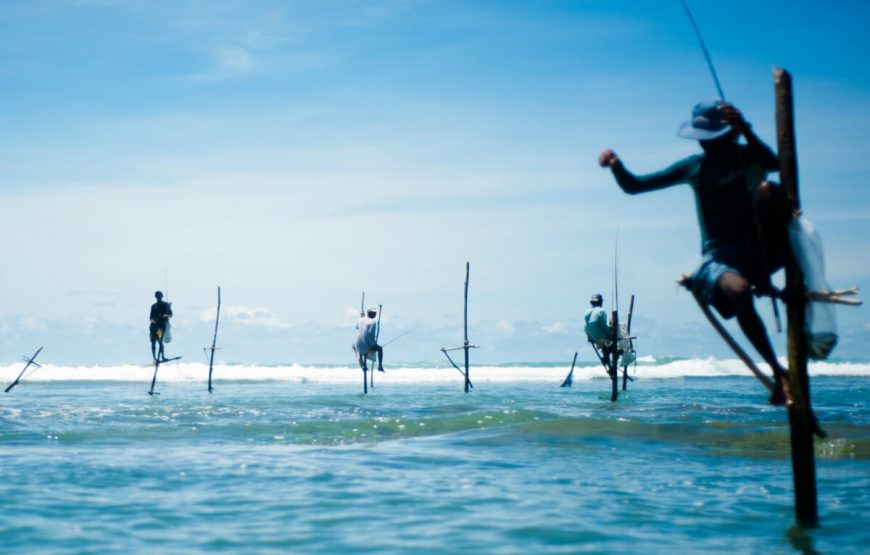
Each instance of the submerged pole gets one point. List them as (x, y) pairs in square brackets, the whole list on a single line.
[(800, 414), (365, 368), (214, 340), (465, 345)]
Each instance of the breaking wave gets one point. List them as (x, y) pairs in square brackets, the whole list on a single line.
[(647, 368)]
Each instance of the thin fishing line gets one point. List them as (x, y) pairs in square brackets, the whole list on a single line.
[(704, 49), (614, 297)]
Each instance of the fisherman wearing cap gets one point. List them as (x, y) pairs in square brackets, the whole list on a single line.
[(367, 340), (728, 179), (161, 312), (595, 323)]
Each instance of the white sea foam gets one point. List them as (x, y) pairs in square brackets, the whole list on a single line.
[(197, 372)]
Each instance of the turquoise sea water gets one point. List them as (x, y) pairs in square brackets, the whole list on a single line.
[(680, 464)]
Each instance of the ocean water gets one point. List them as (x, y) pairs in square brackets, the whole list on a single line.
[(297, 460)]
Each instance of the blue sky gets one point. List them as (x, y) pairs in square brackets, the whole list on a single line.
[(297, 153)]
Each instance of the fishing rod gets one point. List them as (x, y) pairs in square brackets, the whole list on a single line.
[(614, 302), (704, 50), (30, 362), (393, 340)]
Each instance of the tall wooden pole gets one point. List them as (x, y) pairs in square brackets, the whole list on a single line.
[(377, 337), (365, 378), (362, 358), (214, 340), (628, 332), (800, 414), (614, 355), (465, 345)]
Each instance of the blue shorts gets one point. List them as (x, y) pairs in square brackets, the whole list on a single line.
[(724, 259)]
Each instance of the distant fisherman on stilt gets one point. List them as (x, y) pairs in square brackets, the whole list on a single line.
[(595, 324), (735, 205), (367, 340), (161, 312)]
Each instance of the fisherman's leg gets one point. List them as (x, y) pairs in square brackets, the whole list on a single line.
[(162, 355), (380, 358), (773, 218), (154, 349), (737, 293)]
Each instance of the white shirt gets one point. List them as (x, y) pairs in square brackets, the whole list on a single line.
[(366, 341)]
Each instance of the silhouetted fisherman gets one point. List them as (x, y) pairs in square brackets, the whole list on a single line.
[(161, 312), (728, 179), (367, 340)]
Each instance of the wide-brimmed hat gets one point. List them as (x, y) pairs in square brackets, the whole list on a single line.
[(706, 123)]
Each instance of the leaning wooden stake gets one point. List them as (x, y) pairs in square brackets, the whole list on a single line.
[(800, 414), (31, 361), (569, 379), (213, 347)]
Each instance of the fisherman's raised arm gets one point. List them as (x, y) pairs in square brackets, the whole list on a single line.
[(734, 117), (633, 184)]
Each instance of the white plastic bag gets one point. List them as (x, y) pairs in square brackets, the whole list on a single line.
[(625, 345), (167, 333), (821, 323)]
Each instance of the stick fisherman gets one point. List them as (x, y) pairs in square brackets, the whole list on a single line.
[(728, 179), (595, 323), (366, 341), (161, 312)]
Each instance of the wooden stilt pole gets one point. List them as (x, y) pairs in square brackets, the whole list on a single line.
[(365, 378), (377, 336), (154, 378), (800, 416), (214, 341), (627, 332), (361, 358), (613, 370), (465, 346)]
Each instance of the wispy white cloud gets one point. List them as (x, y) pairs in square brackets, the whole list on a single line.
[(505, 326), (554, 327), (254, 316)]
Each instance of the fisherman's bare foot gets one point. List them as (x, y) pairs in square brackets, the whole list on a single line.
[(381, 369)]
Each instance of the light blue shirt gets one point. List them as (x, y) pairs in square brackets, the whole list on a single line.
[(596, 327)]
